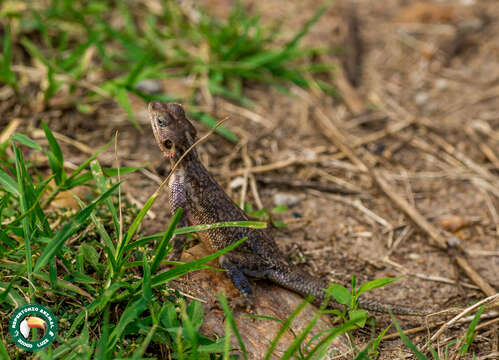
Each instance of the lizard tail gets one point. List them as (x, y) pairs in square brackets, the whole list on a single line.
[(305, 284), (374, 305)]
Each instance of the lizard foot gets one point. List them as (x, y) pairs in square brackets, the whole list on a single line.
[(242, 302)]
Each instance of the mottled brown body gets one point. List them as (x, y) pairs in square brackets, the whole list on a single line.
[(203, 201)]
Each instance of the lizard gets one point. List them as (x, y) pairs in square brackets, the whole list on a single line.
[(203, 201)]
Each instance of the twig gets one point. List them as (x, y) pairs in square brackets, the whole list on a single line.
[(406, 233), (247, 165), (443, 280), (462, 314), (305, 185), (294, 161), (254, 191), (436, 238), (359, 206), (336, 136), (449, 148), (390, 130), (77, 144), (430, 326), (248, 114), (9, 130), (492, 209), (489, 153), (334, 179), (476, 277), (349, 94)]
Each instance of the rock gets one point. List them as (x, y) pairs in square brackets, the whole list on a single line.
[(270, 300), (286, 199)]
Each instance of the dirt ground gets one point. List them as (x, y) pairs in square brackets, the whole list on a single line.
[(424, 113)]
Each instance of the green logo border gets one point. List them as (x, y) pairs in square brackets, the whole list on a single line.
[(40, 311)]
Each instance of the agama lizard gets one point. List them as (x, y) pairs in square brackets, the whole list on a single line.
[(192, 188)]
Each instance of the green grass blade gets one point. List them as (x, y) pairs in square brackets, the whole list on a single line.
[(210, 122), (304, 30), (322, 347), (285, 327), (103, 184), (6, 73), (100, 353), (12, 296), (203, 227), (86, 162), (363, 354), (55, 149), (183, 269), (123, 171), (121, 96), (24, 190), (69, 229), (3, 350), (8, 183), (161, 248), (419, 355), (131, 313), (145, 343), (101, 230), (229, 317), (374, 284), (5, 291), (471, 330), (196, 228), (378, 339), (133, 227), (24, 140), (146, 281)]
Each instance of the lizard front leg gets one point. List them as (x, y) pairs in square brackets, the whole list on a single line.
[(236, 274), (239, 266)]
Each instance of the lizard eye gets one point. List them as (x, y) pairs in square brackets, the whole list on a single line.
[(162, 121)]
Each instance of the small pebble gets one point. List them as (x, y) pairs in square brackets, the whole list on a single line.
[(453, 241), (441, 84), (149, 86), (414, 256), (286, 199), (421, 98), (237, 182)]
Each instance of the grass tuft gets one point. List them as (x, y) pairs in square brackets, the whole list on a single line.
[(96, 51)]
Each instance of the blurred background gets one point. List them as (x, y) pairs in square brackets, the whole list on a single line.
[(317, 95)]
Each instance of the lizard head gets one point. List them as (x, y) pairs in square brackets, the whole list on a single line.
[(174, 133)]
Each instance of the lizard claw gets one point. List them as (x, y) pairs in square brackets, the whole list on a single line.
[(242, 302)]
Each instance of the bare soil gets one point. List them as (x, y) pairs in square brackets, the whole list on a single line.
[(414, 68)]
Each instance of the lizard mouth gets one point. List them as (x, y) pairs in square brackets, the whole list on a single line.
[(168, 148)]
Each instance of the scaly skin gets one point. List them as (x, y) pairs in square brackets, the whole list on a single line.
[(203, 201)]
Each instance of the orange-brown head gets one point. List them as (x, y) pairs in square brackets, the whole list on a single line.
[(174, 133)]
